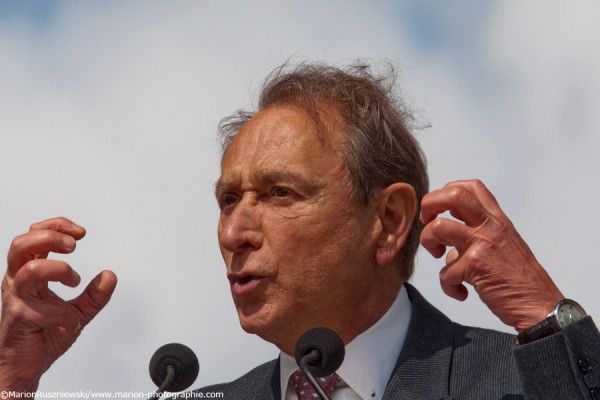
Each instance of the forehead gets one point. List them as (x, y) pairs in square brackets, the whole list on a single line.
[(284, 135), (285, 122)]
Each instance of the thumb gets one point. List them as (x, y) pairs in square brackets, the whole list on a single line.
[(95, 296)]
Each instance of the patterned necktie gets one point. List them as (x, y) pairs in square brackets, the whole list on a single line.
[(306, 391)]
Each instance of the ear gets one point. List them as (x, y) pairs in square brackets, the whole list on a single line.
[(396, 209)]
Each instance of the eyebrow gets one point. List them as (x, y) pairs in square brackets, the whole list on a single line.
[(222, 187), (271, 178)]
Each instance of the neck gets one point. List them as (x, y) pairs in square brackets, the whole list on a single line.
[(353, 314)]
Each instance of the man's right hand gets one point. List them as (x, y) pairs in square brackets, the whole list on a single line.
[(36, 325)]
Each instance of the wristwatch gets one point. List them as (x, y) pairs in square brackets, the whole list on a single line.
[(566, 312)]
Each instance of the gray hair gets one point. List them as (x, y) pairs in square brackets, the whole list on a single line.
[(379, 149)]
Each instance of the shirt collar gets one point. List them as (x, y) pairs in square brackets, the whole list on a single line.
[(371, 356)]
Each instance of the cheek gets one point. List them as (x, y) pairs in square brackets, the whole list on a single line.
[(303, 237), (309, 253), (311, 245)]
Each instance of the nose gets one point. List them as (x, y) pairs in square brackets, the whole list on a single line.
[(240, 229)]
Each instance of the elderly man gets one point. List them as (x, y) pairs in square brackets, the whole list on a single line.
[(323, 200)]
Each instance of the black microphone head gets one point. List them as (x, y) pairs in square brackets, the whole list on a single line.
[(183, 360), (329, 346)]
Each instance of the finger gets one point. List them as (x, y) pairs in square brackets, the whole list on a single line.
[(35, 244), (35, 313), (451, 256), (451, 281), (469, 201), (95, 296), (60, 224), (443, 232), (483, 194), (35, 275), (455, 198)]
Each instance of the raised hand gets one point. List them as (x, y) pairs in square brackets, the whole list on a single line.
[(36, 325), (488, 253)]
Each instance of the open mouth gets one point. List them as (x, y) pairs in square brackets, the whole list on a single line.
[(245, 285), (244, 279)]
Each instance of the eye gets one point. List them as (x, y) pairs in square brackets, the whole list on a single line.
[(228, 200), (281, 192)]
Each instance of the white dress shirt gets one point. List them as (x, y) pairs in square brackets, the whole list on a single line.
[(370, 358)]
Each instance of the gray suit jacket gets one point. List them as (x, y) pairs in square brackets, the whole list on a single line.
[(441, 359)]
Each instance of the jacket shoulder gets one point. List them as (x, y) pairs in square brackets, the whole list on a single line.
[(260, 383), (468, 359)]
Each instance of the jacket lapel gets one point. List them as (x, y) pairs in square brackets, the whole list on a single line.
[(275, 392), (423, 367)]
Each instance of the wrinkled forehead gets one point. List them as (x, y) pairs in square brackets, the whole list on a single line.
[(323, 123)]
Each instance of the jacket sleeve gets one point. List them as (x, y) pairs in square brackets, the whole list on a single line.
[(565, 365)]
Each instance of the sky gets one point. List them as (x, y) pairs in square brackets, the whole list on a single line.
[(108, 115)]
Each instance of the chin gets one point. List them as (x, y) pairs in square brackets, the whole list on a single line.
[(253, 318), (265, 325), (259, 328)]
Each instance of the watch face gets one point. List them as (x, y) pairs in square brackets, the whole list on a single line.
[(569, 312)]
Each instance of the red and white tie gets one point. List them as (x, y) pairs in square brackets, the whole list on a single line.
[(306, 391)]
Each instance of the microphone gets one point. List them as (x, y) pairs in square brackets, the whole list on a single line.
[(319, 352), (173, 367)]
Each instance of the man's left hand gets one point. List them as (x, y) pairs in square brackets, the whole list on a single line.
[(488, 253)]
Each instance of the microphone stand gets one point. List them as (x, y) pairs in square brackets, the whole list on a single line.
[(312, 356), (166, 383)]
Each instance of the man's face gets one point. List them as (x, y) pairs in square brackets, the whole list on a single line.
[(299, 252)]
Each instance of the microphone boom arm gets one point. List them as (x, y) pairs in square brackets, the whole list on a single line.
[(311, 357), (166, 383)]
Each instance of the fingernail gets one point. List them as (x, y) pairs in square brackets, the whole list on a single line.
[(76, 277), (97, 280), (68, 242)]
